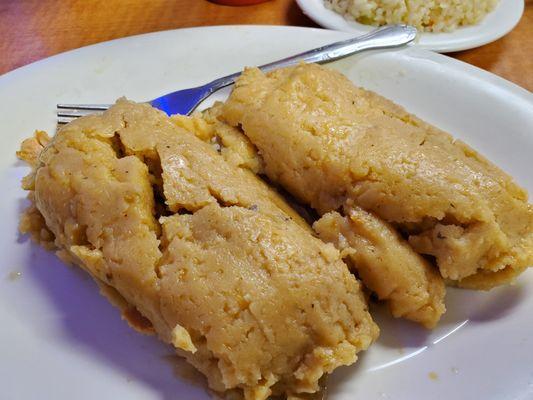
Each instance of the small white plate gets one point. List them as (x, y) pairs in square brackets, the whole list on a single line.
[(60, 340), (495, 25)]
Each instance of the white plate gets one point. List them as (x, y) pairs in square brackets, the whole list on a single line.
[(59, 339), (496, 24)]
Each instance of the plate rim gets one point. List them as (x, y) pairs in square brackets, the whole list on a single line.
[(442, 47), (487, 76), (450, 65)]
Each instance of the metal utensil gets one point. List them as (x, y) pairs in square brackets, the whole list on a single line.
[(186, 100)]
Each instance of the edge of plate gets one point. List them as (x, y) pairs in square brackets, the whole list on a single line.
[(479, 73), (441, 48), (480, 42)]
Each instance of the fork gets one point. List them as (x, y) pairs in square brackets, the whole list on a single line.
[(185, 101)]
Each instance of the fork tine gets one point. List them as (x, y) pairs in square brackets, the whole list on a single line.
[(75, 113), (69, 112), (95, 107), (64, 120)]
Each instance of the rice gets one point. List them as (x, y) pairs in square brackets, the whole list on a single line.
[(426, 15)]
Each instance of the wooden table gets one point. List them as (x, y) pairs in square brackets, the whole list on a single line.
[(34, 29)]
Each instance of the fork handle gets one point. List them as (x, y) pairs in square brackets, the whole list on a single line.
[(381, 38)]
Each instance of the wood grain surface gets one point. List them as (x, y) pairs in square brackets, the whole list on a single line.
[(33, 29)]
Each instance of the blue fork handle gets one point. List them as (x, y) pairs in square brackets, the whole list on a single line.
[(381, 38), (185, 101)]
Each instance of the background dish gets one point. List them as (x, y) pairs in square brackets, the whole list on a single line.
[(56, 326), (496, 24)]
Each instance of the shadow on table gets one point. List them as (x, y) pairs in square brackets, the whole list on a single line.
[(295, 16)]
